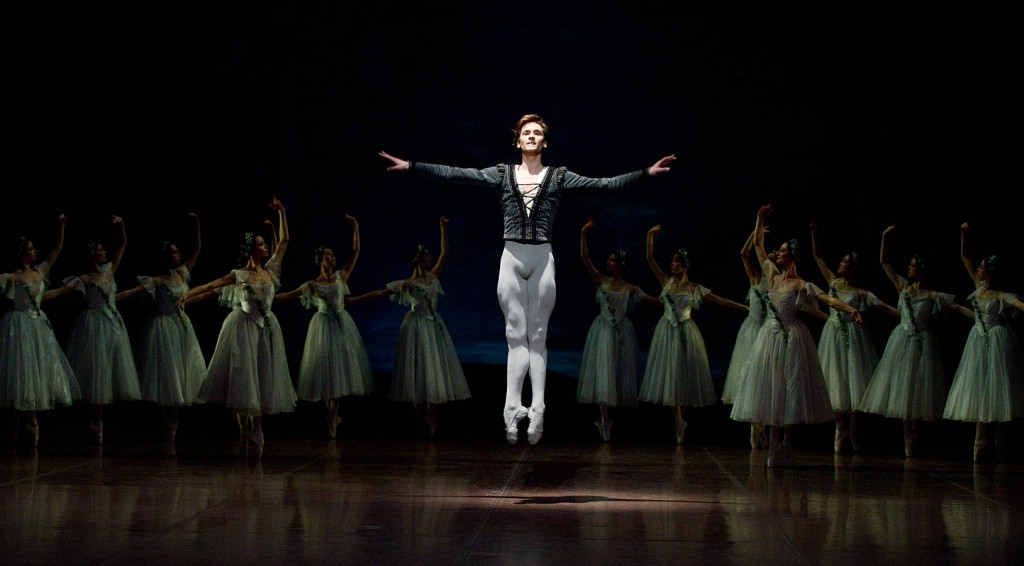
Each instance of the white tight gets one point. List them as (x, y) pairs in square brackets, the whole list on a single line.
[(526, 292)]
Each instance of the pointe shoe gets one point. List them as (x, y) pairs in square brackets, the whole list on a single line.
[(908, 444), (773, 452), (33, 433), (256, 441), (97, 433), (332, 425), (243, 439), (431, 426), (855, 440), (758, 439), (604, 426), (536, 428), (680, 432), (172, 431), (979, 449), (512, 418), (840, 437)]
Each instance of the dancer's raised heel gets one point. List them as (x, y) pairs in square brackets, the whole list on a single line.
[(979, 449), (536, 428), (512, 417), (841, 435), (33, 433), (332, 425), (774, 447), (604, 426), (680, 432), (257, 442), (97, 432)]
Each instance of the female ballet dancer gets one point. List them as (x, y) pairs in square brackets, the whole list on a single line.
[(248, 372), (846, 349), (427, 369), (747, 333), (782, 384), (910, 382), (530, 195), (97, 344), (610, 369), (678, 373), (34, 373), (170, 361), (335, 363), (987, 386)]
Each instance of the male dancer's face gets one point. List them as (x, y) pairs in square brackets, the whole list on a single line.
[(531, 138)]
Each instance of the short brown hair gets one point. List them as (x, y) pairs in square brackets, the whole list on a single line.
[(526, 119)]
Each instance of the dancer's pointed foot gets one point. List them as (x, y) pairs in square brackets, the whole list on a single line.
[(979, 449), (841, 435), (431, 426), (332, 425), (536, 428), (33, 433), (680, 431), (908, 444), (512, 417), (97, 432), (604, 426), (773, 452), (256, 441), (758, 439)]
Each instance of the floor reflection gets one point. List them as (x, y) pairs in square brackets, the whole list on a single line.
[(478, 502)]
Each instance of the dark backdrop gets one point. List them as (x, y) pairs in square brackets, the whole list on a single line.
[(858, 120)]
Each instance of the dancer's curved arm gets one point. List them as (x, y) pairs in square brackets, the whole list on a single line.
[(123, 240), (58, 242), (346, 271), (442, 256), (816, 254), (839, 305), (726, 302), (293, 294), (592, 271), (883, 258), (651, 262), (207, 290), (368, 296), (759, 229), (753, 271), (190, 263), (972, 269), (282, 219)]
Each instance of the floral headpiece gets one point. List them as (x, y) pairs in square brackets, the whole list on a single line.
[(794, 249), (416, 254), (620, 256), (246, 247), (990, 264), (684, 257), (921, 263), (855, 260)]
